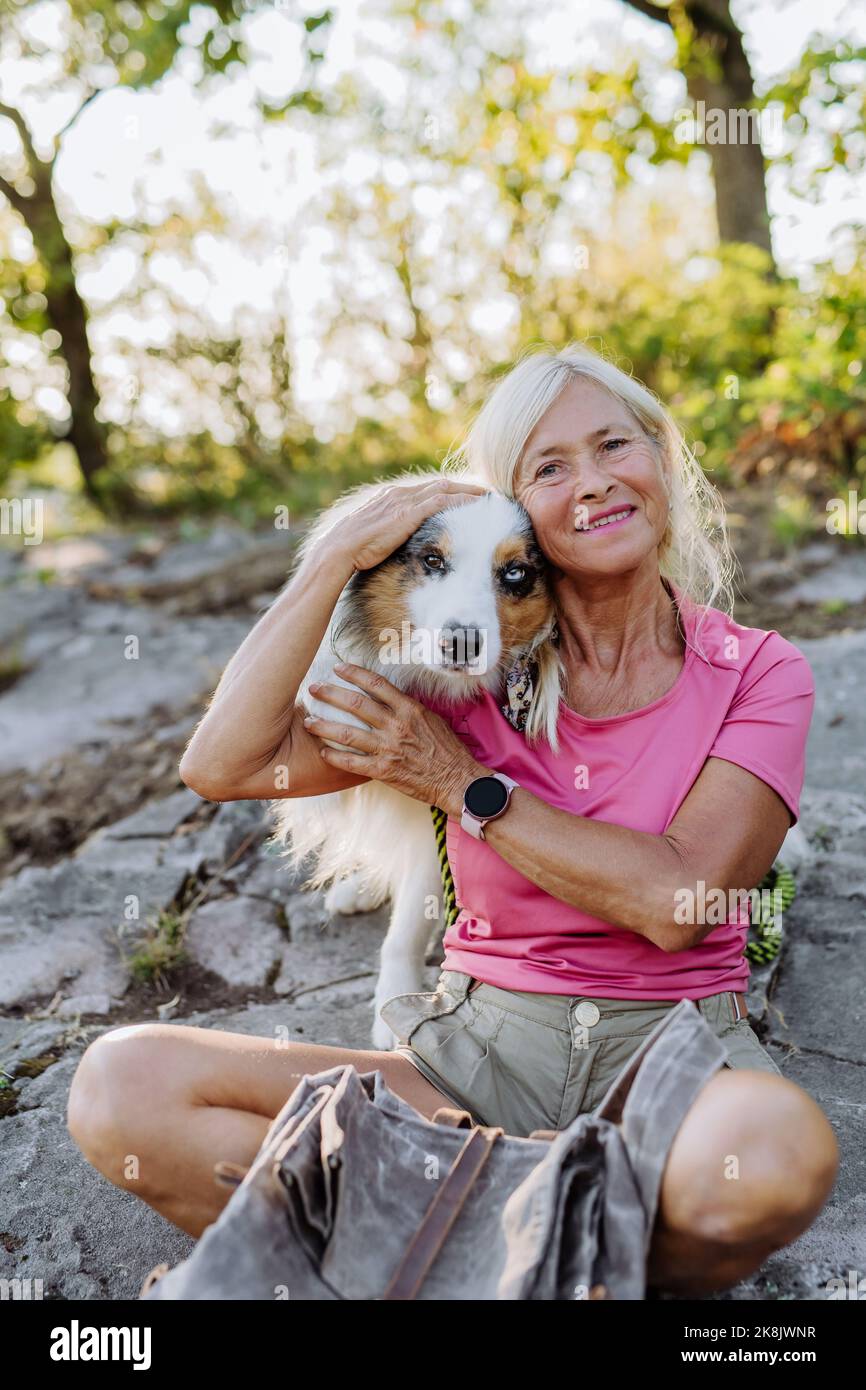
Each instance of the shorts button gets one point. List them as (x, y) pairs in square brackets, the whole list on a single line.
[(587, 1013)]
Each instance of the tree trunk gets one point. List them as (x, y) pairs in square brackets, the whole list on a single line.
[(66, 312), (738, 168), (68, 315), (737, 163)]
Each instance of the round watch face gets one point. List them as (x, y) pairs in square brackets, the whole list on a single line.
[(485, 796)]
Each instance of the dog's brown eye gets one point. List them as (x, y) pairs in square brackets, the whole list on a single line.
[(433, 561)]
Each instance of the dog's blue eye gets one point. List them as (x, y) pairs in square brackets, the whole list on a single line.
[(520, 575)]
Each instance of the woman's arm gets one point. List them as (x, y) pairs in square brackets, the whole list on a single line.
[(725, 835), (252, 728)]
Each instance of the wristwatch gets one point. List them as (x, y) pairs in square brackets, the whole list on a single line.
[(486, 798)]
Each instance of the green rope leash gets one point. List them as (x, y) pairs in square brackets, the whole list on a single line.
[(777, 891)]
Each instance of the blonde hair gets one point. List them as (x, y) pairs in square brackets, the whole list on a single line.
[(694, 552)]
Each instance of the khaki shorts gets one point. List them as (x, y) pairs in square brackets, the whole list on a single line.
[(530, 1061)]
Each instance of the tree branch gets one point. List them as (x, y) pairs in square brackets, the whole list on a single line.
[(706, 16), (652, 11), (97, 91), (14, 115), (18, 201)]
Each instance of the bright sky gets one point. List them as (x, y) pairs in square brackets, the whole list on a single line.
[(137, 155)]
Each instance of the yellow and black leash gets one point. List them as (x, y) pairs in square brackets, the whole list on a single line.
[(449, 897), (777, 891)]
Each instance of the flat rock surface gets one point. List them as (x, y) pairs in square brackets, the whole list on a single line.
[(843, 578), (835, 756), (136, 660)]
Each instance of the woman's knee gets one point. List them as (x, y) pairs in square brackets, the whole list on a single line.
[(753, 1162), (121, 1084)]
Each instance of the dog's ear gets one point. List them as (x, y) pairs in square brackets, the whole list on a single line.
[(549, 633), (543, 704)]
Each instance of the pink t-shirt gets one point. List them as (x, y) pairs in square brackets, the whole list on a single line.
[(750, 702)]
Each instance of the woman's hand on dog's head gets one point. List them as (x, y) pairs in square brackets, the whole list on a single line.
[(387, 519)]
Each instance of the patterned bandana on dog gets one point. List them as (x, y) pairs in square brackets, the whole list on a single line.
[(520, 682), (519, 685)]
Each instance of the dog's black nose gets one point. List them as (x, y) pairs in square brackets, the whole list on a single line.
[(461, 643)]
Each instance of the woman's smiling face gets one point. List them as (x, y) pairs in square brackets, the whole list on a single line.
[(586, 459)]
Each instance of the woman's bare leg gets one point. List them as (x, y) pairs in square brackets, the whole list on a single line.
[(153, 1106), (750, 1168)]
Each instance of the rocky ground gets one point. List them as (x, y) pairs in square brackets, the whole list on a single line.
[(108, 650)]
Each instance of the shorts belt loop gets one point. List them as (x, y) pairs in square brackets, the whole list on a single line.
[(736, 1006)]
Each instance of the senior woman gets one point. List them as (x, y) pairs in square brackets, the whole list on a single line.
[(680, 739)]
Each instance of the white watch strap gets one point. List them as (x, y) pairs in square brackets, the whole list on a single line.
[(472, 826)]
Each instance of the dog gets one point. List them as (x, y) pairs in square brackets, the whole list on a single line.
[(460, 633)]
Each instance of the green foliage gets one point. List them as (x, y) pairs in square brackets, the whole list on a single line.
[(793, 520), (160, 950), (141, 42), (828, 77), (758, 371), (834, 606), (764, 374), (197, 477), (98, 45), (750, 364)]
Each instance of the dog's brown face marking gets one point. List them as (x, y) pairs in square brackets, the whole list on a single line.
[(385, 601), (430, 551), (524, 601), (425, 555)]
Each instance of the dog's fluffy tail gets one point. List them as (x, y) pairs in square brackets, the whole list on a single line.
[(355, 830)]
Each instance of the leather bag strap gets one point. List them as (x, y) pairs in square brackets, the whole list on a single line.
[(457, 1119), (442, 1213)]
